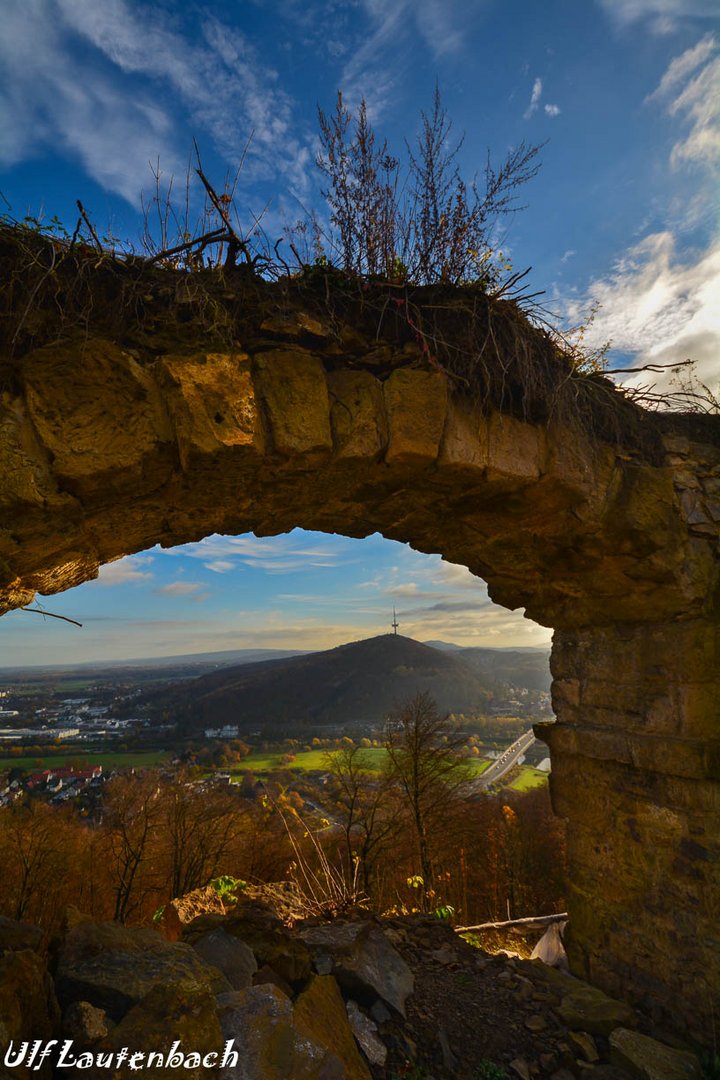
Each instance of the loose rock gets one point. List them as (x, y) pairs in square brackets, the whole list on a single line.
[(647, 1059)]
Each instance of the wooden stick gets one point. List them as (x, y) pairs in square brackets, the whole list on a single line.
[(536, 922), (89, 224), (208, 238), (647, 367), (214, 199), (50, 615)]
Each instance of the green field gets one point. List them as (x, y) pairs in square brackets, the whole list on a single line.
[(528, 779), (110, 759), (373, 759)]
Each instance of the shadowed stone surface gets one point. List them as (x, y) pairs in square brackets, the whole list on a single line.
[(229, 955), (28, 1008), (646, 1059), (363, 961), (104, 453), (114, 968), (270, 1045), (168, 1014)]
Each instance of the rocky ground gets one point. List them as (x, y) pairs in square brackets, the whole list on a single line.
[(355, 998)]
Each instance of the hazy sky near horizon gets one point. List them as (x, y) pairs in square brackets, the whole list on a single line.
[(626, 95)]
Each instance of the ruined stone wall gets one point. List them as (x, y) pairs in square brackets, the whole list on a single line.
[(636, 773), (105, 452)]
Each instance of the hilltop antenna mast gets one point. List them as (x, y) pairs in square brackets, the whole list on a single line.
[(395, 623)]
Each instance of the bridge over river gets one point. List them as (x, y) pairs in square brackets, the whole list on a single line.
[(507, 759)]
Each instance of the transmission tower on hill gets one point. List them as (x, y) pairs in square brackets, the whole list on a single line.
[(395, 623)]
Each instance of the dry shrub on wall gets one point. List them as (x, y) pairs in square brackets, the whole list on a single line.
[(418, 222)]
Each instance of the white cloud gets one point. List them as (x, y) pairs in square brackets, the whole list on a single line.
[(367, 73), (50, 98), (660, 308), (534, 98), (220, 566), (690, 90), (273, 554), (700, 102), (457, 577), (118, 100), (663, 16), (126, 571), (441, 24), (684, 65), (179, 588), (375, 65), (660, 303)]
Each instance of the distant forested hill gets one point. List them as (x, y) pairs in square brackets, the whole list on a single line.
[(359, 682)]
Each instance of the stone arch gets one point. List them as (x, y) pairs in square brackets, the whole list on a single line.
[(106, 450)]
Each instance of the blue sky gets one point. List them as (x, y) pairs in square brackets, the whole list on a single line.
[(624, 212)]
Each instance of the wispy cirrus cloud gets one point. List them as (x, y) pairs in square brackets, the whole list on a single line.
[(660, 302), (220, 566), (272, 554), (690, 92), (662, 16), (441, 600), (535, 96), (375, 64), (52, 98), (117, 84), (661, 308)]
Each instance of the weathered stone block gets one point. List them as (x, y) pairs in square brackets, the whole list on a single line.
[(114, 968), (261, 1024), (410, 393), (357, 414), (28, 1009), (587, 1009), (515, 449), (292, 387), (100, 425), (229, 955), (465, 438), (363, 960), (166, 1015), (211, 401), (26, 472)]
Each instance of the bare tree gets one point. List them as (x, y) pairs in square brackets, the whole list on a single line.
[(363, 801), (426, 765), (33, 849), (131, 826), (199, 831)]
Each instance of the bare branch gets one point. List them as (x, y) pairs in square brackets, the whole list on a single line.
[(51, 615), (88, 222), (208, 238)]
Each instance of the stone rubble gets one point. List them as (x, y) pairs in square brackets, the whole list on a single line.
[(403, 994)]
